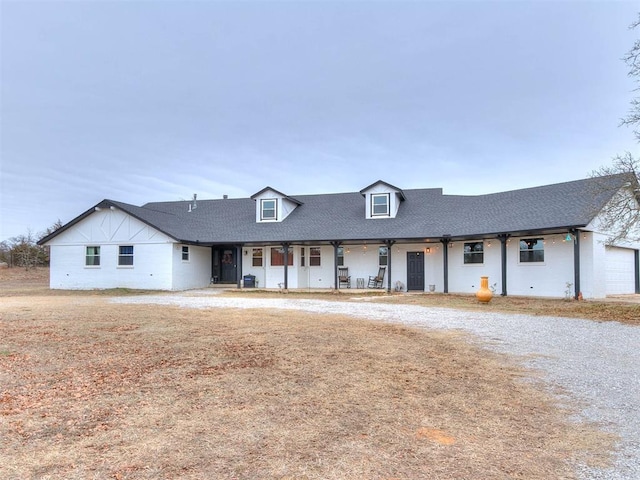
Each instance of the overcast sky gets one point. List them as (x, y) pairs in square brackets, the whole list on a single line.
[(142, 101)]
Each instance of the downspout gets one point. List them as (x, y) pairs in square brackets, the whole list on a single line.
[(503, 260), (576, 262), (445, 261), (285, 246), (389, 244)]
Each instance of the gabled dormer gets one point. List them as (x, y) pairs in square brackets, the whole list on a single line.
[(382, 200), (272, 205)]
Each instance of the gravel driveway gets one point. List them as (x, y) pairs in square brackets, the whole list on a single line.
[(596, 363)]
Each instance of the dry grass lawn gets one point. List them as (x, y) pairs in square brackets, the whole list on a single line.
[(90, 389)]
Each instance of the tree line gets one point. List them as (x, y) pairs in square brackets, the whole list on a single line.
[(24, 251)]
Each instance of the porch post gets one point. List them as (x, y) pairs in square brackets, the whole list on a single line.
[(445, 261), (503, 259), (239, 265), (335, 263), (637, 257), (285, 247), (389, 244), (576, 261)]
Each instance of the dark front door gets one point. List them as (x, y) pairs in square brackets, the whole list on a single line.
[(224, 264), (228, 264), (415, 271)]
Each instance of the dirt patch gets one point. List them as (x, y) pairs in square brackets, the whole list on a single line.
[(91, 389)]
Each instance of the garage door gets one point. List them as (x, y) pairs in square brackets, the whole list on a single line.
[(621, 272)]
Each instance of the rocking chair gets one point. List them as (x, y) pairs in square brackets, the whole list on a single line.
[(376, 282), (344, 279)]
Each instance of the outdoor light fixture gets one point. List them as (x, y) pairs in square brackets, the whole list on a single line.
[(428, 250)]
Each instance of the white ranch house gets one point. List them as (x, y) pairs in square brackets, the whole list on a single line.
[(541, 241)]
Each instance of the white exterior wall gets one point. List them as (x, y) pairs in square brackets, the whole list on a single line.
[(593, 282), (465, 278), (321, 276), (194, 273), (541, 279), (108, 229), (362, 262), (258, 272), (275, 274), (151, 268)]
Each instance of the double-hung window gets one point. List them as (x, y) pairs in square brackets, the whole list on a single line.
[(92, 257), (125, 255), (314, 257), (531, 250), (340, 256), (257, 257), (185, 253), (383, 256), (269, 209), (380, 205), (473, 252)]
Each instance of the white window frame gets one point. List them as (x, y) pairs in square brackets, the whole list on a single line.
[(383, 252), (257, 254), (520, 251), (315, 254), (387, 204), (122, 256), (472, 253), (185, 251), (264, 208), (95, 255)]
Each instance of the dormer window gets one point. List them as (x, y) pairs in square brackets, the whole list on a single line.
[(382, 200), (268, 209), (273, 206), (380, 204)]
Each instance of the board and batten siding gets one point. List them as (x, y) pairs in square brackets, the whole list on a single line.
[(109, 229)]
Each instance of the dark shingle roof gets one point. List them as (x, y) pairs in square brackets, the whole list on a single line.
[(426, 213)]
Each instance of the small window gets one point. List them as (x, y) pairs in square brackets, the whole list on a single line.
[(531, 250), (257, 257), (314, 257), (92, 258), (380, 204), (125, 255), (268, 209), (383, 256), (277, 257), (302, 257), (185, 253), (340, 256), (474, 252)]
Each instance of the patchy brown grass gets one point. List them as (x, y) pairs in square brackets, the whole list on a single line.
[(35, 281), (90, 389)]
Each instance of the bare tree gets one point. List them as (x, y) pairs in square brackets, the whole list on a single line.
[(620, 217), (24, 251), (632, 59)]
